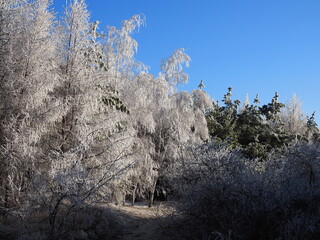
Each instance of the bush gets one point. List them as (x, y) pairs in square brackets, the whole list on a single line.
[(85, 223), (226, 196)]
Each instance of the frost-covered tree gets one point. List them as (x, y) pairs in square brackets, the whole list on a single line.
[(153, 114), (172, 69), (121, 48), (202, 100), (146, 97), (163, 121), (245, 104), (28, 76), (179, 123), (293, 118), (89, 146)]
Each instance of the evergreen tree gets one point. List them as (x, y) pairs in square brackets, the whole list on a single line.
[(256, 130), (312, 133), (222, 120)]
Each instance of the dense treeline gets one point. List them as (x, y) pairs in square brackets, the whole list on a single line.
[(82, 123), (258, 130)]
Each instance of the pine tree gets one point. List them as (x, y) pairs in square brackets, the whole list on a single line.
[(222, 120), (256, 130), (312, 133)]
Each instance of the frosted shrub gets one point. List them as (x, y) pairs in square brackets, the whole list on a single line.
[(298, 170), (222, 192)]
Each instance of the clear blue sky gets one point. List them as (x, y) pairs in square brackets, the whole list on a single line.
[(254, 46)]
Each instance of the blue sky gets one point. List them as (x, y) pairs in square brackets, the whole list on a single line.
[(254, 46)]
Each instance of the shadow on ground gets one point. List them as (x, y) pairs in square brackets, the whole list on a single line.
[(103, 222)]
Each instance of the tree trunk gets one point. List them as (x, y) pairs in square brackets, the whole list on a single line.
[(153, 189), (134, 194)]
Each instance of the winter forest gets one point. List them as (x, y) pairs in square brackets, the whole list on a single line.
[(85, 129)]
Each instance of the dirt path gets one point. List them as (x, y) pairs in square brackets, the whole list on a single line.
[(143, 223)]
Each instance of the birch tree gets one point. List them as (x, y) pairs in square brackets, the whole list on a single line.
[(172, 69), (121, 47)]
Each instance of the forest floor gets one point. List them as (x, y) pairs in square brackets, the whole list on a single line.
[(142, 222)]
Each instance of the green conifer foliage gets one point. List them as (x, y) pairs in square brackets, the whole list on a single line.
[(312, 132), (222, 120), (256, 130)]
